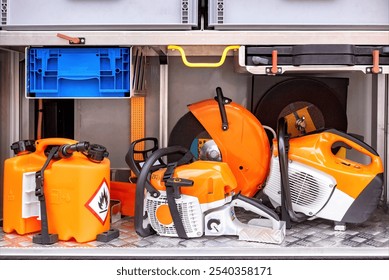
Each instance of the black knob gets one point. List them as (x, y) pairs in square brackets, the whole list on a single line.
[(23, 146), (97, 152)]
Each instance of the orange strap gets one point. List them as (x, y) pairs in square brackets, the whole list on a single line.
[(376, 62), (274, 62), (137, 123), (72, 40)]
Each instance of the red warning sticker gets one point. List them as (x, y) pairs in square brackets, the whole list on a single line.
[(99, 202)]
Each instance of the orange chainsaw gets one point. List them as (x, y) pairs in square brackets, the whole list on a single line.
[(190, 198)]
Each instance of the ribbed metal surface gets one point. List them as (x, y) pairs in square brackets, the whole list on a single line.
[(310, 238)]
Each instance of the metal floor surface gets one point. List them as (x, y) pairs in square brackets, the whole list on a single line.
[(310, 239)]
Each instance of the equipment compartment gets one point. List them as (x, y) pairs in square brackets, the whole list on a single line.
[(162, 85), (298, 14), (99, 15)]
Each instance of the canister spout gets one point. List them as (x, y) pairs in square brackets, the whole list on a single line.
[(66, 151)]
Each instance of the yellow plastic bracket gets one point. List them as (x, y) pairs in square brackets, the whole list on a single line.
[(200, 64)]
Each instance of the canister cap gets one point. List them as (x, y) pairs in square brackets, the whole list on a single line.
[(97, 152), (23, 147)]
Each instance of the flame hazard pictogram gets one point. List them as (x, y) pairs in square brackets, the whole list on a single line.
[(99, 202)]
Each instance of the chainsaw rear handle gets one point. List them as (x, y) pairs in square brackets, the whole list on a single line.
[(254, 206), (143, 183), (42, 144)]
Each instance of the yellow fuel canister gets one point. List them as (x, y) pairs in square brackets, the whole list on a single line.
[(76, 191)]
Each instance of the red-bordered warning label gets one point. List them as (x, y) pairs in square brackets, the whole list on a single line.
[(99, 202)]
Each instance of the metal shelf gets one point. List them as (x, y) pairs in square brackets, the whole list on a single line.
[(204, 38), (313, 239)]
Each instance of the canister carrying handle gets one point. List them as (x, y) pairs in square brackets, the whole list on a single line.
[(42, 144), (356, 144), (94, 152)]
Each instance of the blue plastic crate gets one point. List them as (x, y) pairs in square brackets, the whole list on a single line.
[(78, 72)]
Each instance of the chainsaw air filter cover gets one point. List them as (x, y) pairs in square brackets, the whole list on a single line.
[(162, 222)]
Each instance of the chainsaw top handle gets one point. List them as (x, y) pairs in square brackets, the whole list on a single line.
[(143, 182), (354, 142), (349, 142)]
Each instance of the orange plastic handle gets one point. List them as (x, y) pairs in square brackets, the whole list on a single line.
[(42, 144), (274, 62), (73, 40), (376, 62), (375, 159)]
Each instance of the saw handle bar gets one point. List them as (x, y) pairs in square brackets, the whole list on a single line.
[(136, 164), (221, 101), (143, 182), (286, 200)]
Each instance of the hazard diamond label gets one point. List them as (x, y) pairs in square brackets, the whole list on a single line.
[(99, 202)]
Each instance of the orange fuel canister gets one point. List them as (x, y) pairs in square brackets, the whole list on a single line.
[(75, 188)]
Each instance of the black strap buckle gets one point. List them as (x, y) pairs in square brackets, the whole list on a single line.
[(44, 237), (169, 171)]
